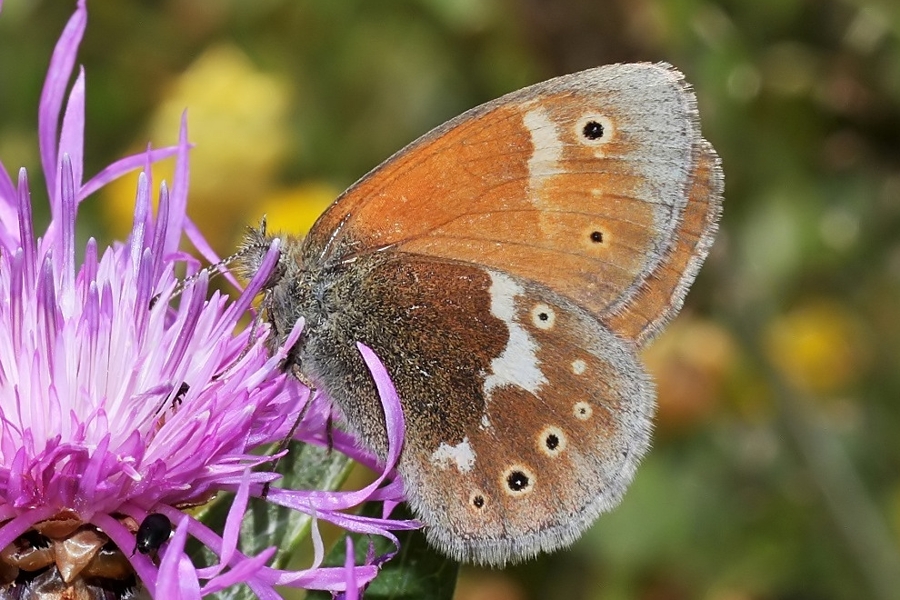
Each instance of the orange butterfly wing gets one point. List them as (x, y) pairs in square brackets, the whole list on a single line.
[(619, 222), (529, 246)]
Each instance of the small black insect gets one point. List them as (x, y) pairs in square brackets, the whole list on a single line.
[(153, 533)]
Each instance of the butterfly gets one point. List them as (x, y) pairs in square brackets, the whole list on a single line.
[(506, 268)]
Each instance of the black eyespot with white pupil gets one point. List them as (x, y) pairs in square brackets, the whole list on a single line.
[(592, 130), (551, 441), (543, 316), (478, 501), (583, 411), (597, 237), (517, 481)]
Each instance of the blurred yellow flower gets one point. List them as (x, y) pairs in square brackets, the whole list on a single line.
[(819, 346), (294, 210), (237, 123)]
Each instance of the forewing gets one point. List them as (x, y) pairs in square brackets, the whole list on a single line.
[(579, 184)]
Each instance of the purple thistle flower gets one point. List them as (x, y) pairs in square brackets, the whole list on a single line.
[(125, 393)]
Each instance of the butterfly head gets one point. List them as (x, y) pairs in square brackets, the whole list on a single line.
[(254, 247), (294, 288)]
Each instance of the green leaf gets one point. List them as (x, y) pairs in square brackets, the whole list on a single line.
[(416, 572), (266, 524)]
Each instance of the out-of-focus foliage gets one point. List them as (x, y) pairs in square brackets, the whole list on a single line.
[(776, 468)]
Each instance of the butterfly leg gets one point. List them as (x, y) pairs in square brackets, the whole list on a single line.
[(283, 444)]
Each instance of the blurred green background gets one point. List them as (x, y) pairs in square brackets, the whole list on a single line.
[(775, 473)]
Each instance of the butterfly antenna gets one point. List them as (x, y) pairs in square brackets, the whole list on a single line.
[(214, 269)]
